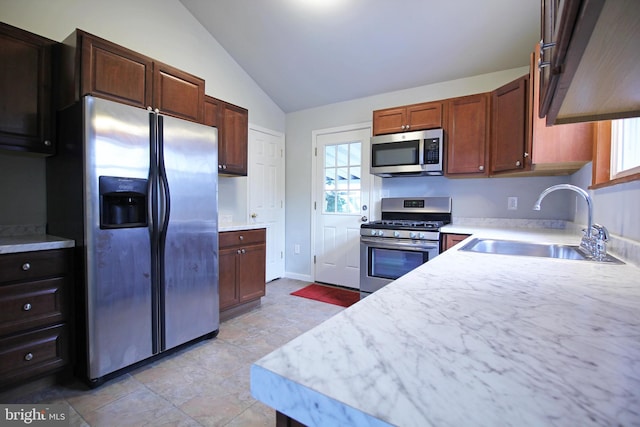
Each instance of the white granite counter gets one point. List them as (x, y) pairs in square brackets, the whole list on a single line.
[(239, 226), (472, 339), (28, 243)]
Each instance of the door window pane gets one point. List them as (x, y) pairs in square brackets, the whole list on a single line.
[(330, 201), (330, 156), (342, 171), (354, 178), (343, 154), (329, 178)]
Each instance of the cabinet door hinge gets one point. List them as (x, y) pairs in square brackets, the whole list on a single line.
[(281, 255), (314, 259), (316, 151)]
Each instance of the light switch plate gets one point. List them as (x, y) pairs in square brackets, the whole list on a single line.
[(512, 203)]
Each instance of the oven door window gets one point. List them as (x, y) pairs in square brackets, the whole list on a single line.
[(393, 263), (395, 153)]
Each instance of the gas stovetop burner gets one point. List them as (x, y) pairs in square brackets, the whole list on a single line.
[(411, 218)]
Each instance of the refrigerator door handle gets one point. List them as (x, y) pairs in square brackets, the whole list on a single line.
[(156, 321), (164, 213), (165, 196)]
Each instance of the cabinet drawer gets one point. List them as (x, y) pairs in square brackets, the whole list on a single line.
[(244, 237), (27, 305), (31, 265), (33, 353)]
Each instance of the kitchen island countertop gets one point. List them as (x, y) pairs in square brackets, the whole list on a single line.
[(472, 339)]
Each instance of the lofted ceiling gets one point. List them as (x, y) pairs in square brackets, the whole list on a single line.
[(309, 53)]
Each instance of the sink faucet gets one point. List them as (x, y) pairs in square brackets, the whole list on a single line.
[(594, 236)]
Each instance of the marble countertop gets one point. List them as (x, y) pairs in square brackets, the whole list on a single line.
[(472, 339), (239, 226), (28, 243), (40, 242)]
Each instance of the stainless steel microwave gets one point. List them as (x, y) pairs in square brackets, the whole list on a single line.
[(408, 154)]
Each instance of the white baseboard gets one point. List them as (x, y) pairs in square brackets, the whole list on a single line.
[(303, 277)]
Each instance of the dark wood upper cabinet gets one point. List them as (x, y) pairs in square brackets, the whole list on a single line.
[(113, 72), (521, 142), (234, 140), (212, 108), (233, 135), (590, 61), (559, 149), (94, 66), (467, 136), (178, 93), (509, 126), (26, 109), (427, 115)]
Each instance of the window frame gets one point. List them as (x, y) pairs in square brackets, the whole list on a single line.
[(600, 176)]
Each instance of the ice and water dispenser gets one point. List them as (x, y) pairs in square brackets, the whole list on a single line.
[(123, 202)]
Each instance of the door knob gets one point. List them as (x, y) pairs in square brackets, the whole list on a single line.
[(364, 218), (254, 215)]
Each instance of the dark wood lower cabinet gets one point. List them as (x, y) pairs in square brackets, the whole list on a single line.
[(284, 421), (449, 240), (35, 315), (242, 261)]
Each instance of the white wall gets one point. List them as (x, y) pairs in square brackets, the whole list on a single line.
[(615, 207), (486, 197), (471, 197), (161, 29)]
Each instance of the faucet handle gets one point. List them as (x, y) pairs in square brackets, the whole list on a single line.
[(601, 235), (601, 232)]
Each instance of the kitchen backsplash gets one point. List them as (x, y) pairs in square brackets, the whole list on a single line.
[(22, 230), (511, 222)]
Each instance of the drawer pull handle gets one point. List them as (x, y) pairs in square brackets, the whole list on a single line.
[(26, 307), (28, 357), (241, 237), (244, 251), (26, 266)]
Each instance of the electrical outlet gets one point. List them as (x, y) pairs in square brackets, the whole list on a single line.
[(296, 249), (512, 203)]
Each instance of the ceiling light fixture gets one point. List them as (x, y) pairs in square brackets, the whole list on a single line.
[(319, 5)]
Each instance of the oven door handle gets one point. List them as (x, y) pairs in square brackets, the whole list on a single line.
[(397, 244)]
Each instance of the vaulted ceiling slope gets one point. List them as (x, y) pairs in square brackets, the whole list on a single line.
[(309, 53)]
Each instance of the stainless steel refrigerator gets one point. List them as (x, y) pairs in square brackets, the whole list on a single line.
[(138, 192)]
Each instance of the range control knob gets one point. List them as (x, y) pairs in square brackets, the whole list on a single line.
[(396, 234), (421, 236), (413, 235), (373, 232), (380, 233)]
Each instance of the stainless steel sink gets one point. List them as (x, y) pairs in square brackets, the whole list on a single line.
[(514, 247)]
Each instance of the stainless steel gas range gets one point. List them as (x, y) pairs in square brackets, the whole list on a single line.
[(407, 236)]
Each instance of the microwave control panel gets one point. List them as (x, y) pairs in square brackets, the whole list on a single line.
[(432, 151)]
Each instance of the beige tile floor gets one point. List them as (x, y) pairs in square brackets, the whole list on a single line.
[(206, 384)]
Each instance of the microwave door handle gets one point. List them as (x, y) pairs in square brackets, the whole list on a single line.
[(421, 160)]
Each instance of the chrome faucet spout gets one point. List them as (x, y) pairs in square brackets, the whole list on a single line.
[(578, 190)]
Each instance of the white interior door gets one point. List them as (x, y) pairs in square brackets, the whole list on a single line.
[(266, 193), (342, 193)]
